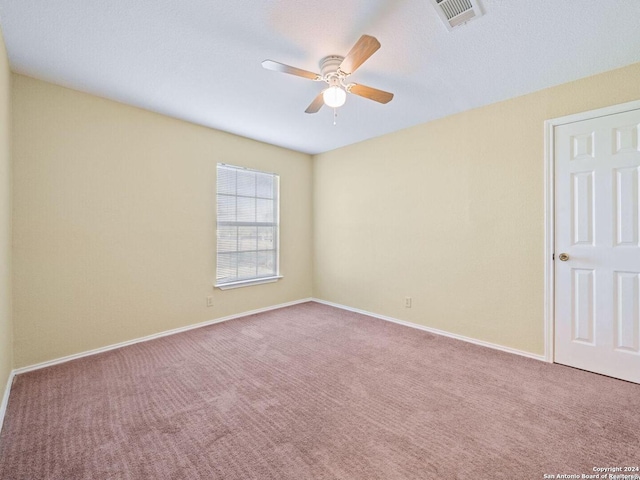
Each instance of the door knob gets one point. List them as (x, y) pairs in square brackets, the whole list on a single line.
[(563, 257)]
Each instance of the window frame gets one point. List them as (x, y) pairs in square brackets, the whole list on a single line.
[(245, 282)]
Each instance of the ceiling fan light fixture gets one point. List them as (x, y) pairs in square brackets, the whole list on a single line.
[(335, 71), (334, 96)]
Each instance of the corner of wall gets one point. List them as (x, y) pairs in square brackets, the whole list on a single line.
[(6, 208), (314, 223)]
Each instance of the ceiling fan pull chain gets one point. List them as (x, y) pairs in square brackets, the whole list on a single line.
[(335, 116)]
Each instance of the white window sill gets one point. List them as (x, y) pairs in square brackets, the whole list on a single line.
[(247, 283)]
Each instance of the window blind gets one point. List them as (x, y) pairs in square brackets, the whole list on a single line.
[(247, 224)]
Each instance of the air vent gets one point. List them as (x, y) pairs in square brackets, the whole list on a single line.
[(454, 13)]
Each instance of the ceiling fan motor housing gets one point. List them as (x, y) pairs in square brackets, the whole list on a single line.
[(330, 64)]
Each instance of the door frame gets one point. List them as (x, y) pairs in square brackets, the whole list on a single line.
[(549, 211)]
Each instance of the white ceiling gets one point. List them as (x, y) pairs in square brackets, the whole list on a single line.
[(200, 60)]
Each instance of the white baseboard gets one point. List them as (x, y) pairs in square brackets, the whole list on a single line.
[(5, 398), (435, 330), (95, 351)]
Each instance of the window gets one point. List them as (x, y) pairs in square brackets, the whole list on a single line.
[(247, 227)]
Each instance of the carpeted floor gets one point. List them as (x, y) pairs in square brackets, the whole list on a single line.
[(313, 392)]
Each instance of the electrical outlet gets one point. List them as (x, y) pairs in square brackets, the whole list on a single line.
[(209, 301), (407, 302)]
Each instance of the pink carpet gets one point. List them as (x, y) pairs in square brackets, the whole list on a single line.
[(313, 392)]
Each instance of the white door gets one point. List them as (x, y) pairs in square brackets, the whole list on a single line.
[(597, 202)]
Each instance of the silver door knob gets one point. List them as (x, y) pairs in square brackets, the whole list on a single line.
[(563, 257)]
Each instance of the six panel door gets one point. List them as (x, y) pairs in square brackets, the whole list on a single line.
[(597, 281)]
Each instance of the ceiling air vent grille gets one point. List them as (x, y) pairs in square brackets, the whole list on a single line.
[(454, 13)]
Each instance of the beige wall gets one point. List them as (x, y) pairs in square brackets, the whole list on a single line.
[(114, 222), (450, 213), (6, 340), (114, 219)]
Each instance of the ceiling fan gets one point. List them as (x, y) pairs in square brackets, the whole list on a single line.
[(335, 71)]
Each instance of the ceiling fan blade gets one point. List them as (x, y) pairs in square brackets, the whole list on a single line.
[(281, 67), (316, 104), (371, 93), (361, 51)]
